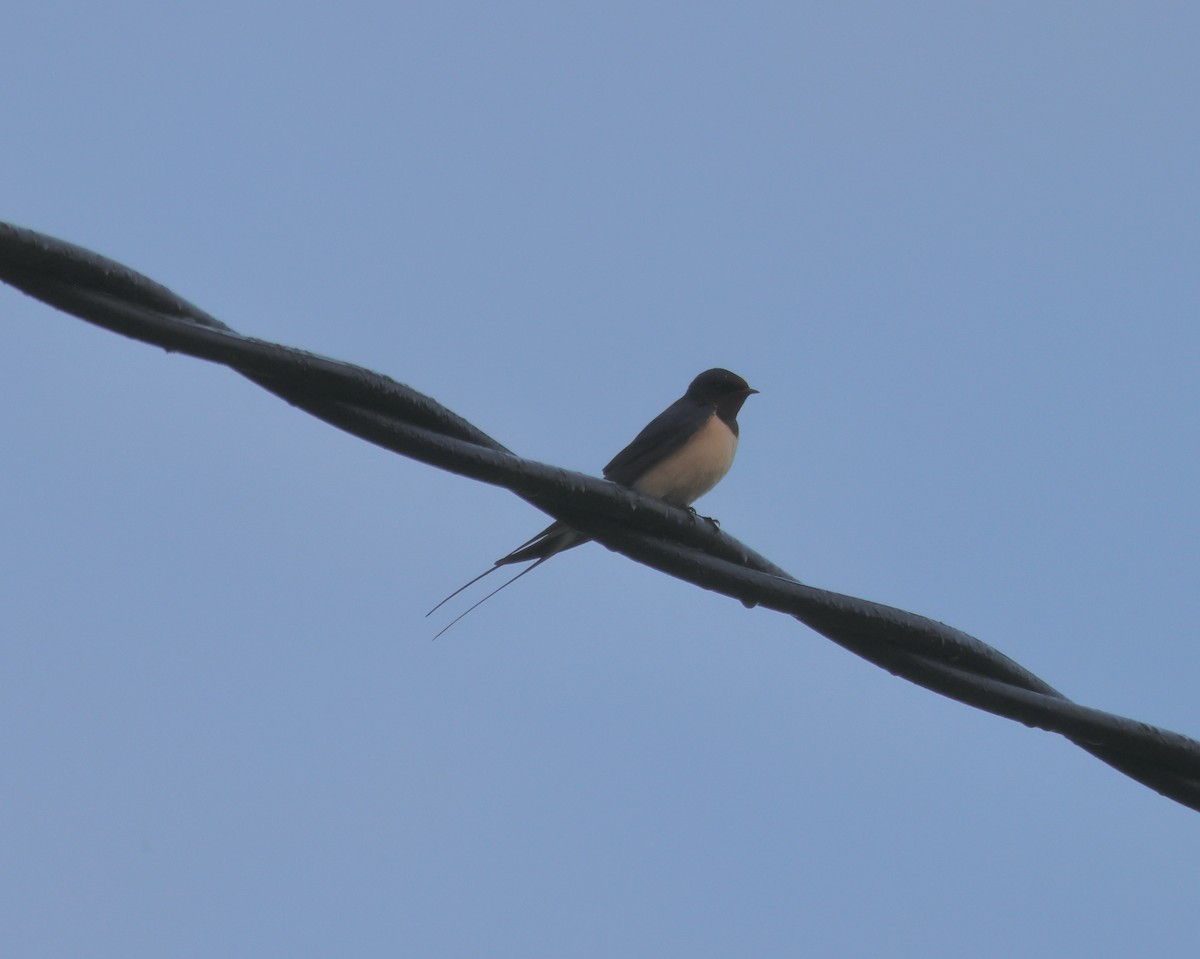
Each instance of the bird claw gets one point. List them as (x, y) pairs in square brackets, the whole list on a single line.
[(716, 523)]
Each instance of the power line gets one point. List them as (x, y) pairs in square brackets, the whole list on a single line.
[(398, 418)]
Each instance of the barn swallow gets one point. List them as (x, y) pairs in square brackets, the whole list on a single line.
[(680, 455)]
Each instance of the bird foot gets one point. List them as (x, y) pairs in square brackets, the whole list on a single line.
[(716, 523)]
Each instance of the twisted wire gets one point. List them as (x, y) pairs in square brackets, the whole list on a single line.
[(398, 418)]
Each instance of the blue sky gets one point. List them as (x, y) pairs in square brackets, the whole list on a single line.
[(956, 248)]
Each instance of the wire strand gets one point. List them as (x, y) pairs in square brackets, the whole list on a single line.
[(398, 418)]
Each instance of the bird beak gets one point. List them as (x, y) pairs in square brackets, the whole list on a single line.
[(749, 391)]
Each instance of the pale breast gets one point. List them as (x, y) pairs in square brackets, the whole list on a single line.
[(694, 469)]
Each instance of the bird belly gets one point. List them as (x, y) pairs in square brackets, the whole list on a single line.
[(693, 469)]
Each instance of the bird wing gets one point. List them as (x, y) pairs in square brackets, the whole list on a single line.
[(663, 435)]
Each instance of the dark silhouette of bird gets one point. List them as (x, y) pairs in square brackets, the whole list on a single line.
[(680, 455)]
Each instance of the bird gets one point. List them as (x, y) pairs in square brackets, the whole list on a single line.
[(680, 455)]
